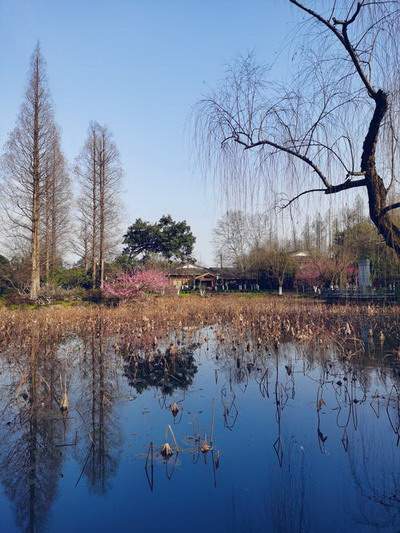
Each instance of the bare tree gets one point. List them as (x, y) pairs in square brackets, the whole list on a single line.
[(82, 244), (319, 232), (88, 204), (24, 164), (56, 207), (110, 173), (261, 228), (236, 233), (341, 107), (99, 171), (230, 238), (275, 260)]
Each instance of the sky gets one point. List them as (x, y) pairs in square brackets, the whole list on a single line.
[(139, 66)]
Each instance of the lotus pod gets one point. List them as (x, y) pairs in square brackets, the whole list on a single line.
[(166, 450), (174, 409)]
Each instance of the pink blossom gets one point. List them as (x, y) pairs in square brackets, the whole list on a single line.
[(308, 272), (320, 270), (130, 285)]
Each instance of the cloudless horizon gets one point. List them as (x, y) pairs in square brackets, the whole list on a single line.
[(138, 67)]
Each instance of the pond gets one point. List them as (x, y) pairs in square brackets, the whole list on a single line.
[(287, 437)]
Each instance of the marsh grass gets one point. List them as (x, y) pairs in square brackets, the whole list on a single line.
[(267, 319)]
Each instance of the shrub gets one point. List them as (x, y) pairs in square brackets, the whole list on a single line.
[(93, 296), (48, 294), (70, 278), (13, 297)]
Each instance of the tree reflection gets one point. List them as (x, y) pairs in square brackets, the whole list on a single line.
[(161, 371), (99, 450), (33, 429), (287, 502), (375, 468)]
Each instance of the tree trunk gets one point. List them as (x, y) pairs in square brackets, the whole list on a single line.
[(35, 248), (53, 240), (102, 171), (35, 256), (47, 229), (86, 262), (94, 213), (53, 216), (377, 193)]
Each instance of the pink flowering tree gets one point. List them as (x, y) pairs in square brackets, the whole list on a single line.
[(127, 286), (321, 271)]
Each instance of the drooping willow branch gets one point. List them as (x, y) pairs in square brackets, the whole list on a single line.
[(303, 124)]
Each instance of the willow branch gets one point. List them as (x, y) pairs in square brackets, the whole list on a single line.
[(388, 208), (332, 189)]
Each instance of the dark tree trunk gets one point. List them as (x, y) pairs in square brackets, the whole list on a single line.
[(377, 192)]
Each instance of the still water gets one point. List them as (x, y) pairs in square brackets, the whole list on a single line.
[(300, 439)]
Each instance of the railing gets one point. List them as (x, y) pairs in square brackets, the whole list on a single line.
[(367, 295)]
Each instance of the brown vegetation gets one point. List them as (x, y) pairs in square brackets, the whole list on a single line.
[(149, 323)]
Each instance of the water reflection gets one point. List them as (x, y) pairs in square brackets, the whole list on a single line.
[(33, 428), (375, 468), (161, 371), (99, 446), (299, 411), (288, 506)]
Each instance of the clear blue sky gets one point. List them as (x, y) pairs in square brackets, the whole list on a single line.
[(138, 66)]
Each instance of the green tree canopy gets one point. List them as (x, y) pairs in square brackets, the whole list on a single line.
[(167, 238), (4, 267), (362, 240), (3, 261)]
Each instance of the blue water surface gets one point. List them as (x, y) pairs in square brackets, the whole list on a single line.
[(302, 439)]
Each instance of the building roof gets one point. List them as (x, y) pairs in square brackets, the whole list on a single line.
[(300, 253), (197, 271), (187, 271), (206, 276)]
